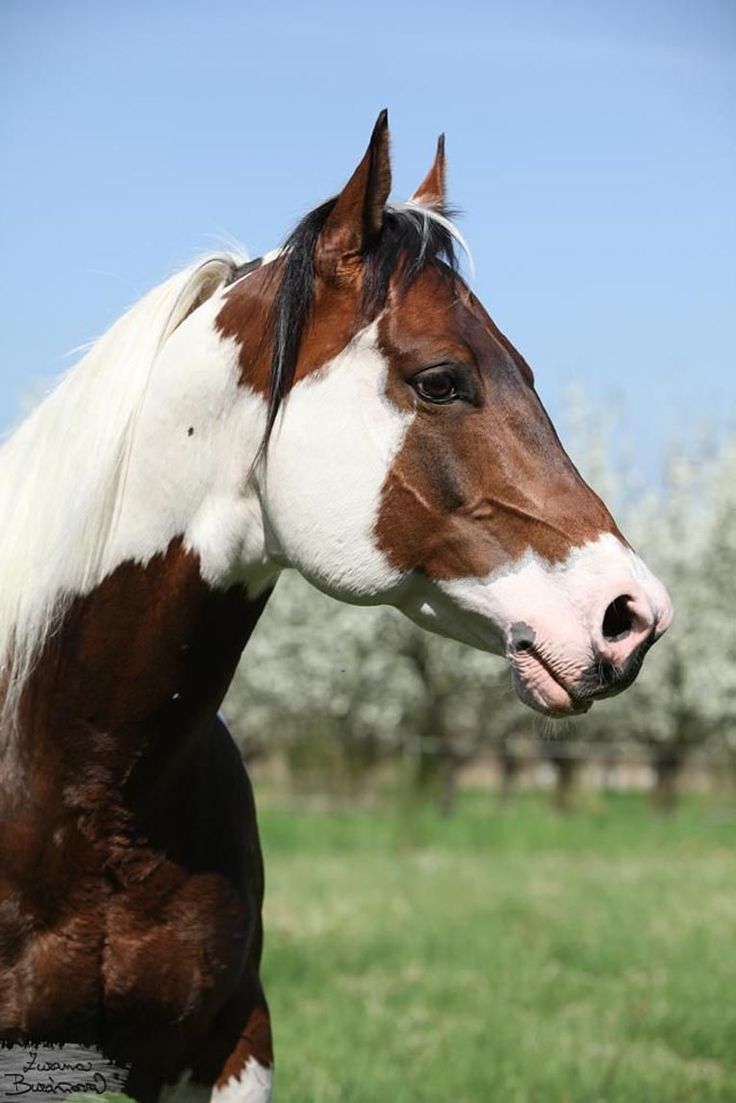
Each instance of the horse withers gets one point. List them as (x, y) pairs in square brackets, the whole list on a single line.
[(344, 407)]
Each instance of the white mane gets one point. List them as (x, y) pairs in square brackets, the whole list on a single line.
[(62, 473)]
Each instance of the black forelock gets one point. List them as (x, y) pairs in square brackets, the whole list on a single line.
[(409, 241)]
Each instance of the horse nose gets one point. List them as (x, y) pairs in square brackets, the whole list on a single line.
[(628, 623), (626, 629)]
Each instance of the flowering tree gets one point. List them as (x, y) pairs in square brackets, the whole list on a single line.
[(368, 684), (686, 693), (322, 680)]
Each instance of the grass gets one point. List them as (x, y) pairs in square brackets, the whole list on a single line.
[(504, 955), (507, 955)]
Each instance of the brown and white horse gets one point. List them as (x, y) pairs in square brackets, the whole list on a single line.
[(344, 407)]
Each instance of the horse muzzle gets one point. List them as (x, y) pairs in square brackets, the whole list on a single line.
[(558, 684)]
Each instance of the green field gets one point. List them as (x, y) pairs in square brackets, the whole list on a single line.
[(503, 955)]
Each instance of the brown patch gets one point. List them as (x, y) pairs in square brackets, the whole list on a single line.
[(474, 486), (245, 316), (351, 227), (130, 869), (255, 1042)]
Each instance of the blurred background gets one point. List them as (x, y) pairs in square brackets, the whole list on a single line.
[(463, 903)]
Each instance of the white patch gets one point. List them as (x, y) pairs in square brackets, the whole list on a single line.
[(327, 462), (571, 596), (254, 1085), (65, 489), (194, 446)]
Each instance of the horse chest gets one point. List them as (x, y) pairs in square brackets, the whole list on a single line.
[(84, 949), (175, 945), (51, 942)]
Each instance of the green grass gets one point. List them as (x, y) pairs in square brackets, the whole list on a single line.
[(503, 955)]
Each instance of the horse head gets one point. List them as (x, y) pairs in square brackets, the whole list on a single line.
[(409, 460)]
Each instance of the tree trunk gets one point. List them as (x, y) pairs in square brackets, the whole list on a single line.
[(610, 765), (566, 769), (426, 770), (448, 785), (668, 763), (510, 764)]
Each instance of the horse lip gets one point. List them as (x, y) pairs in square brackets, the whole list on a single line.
[(577, 704)]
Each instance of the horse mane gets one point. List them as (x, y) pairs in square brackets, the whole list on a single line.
[(62, 472), (412, 237)]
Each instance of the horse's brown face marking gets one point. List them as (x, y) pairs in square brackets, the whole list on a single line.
[(477, 482)]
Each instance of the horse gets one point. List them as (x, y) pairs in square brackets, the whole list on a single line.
[(344, 407)]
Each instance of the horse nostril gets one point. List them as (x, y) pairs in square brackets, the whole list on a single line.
[(618, 620), (522, 636)]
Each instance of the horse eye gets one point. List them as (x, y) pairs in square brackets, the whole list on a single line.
[(436, 386)]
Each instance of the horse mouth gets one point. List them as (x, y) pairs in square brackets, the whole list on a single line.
[(543, 688)]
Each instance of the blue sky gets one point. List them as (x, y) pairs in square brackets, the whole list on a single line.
[(592, 148)]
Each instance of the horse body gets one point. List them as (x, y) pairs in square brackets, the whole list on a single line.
[(413, 465), (129, 842)]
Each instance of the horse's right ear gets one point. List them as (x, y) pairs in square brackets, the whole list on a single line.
[(357, 217), (431, 191)]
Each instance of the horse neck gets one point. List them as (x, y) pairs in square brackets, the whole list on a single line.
[(142, 658), (193, 448), (135, 674)]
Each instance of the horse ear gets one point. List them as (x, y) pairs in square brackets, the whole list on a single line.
[(357, 217), (431, 191)]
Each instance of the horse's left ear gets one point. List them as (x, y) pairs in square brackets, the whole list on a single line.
[(357, 217), (431, 191)]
